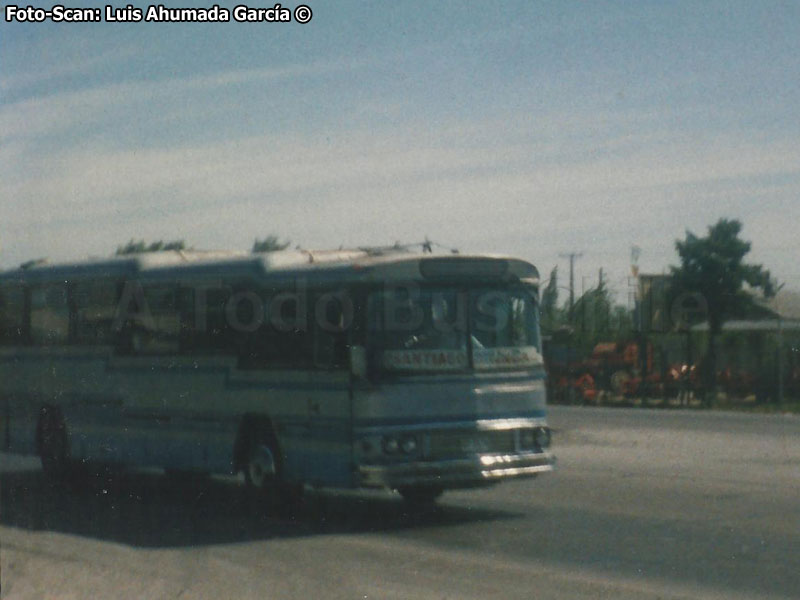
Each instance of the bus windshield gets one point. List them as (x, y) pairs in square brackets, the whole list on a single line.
[(447, 328)]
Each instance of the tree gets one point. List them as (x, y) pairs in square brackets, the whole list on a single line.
[(621, 323), (133, 247), (713, 266), (595, 316), (592, 318), (269, 244), (549, 302)]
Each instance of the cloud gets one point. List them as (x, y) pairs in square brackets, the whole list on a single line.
[(75, 63), (47, 115), (400, 185), (489, 153)]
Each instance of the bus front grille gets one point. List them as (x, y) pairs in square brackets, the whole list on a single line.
[(448, 444)]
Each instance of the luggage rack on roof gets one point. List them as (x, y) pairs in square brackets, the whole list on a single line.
[(36, 262), (426, 245)]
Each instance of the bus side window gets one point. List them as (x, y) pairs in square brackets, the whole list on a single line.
[(49, 314), (204, 325), (95, 304), (330, 326), (151, 323), (283, 339), (161, 300), (12, 315)]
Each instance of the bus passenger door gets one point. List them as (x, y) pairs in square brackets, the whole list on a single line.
[(328, 454)]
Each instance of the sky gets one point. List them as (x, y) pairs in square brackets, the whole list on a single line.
[(526, 128)]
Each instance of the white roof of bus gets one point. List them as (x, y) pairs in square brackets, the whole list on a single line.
[(194, 261)]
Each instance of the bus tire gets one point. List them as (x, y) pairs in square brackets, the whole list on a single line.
[(421, 495), (53, 444), (260, 466), (263, 469)]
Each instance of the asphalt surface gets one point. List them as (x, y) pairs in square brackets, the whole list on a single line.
[(644, 504)]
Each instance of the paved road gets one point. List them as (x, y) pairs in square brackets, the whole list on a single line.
[(645, 504)]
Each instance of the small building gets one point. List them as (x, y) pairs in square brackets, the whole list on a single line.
[(761, 356)]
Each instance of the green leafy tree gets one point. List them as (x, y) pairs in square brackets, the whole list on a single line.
[(713, 266), (592, 318), (271, 243), (549, 303), (621, 323), (595, 316), (138, 247)]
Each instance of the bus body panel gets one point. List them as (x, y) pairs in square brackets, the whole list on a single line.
[(437, 398), (175, 413)]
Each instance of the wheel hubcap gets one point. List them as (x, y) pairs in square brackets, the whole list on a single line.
[(262, 467)]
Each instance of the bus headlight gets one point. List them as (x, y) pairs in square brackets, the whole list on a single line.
[(408, 445), (390, 445), (527, 439), (542, 435)]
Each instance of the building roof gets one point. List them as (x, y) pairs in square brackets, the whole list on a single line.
[(785, 303), (755, 325)]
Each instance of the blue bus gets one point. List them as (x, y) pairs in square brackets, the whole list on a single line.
[(367, 368)]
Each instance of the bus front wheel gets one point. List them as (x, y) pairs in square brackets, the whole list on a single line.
[(260, 470), (263, 474)]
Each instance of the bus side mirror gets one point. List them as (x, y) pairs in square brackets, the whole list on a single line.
[(358, 361)]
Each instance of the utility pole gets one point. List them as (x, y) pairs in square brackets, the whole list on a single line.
[(780, 360), (600, 322), (571, 256)]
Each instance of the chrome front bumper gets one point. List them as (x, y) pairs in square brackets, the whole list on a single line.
[(456, 472)]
